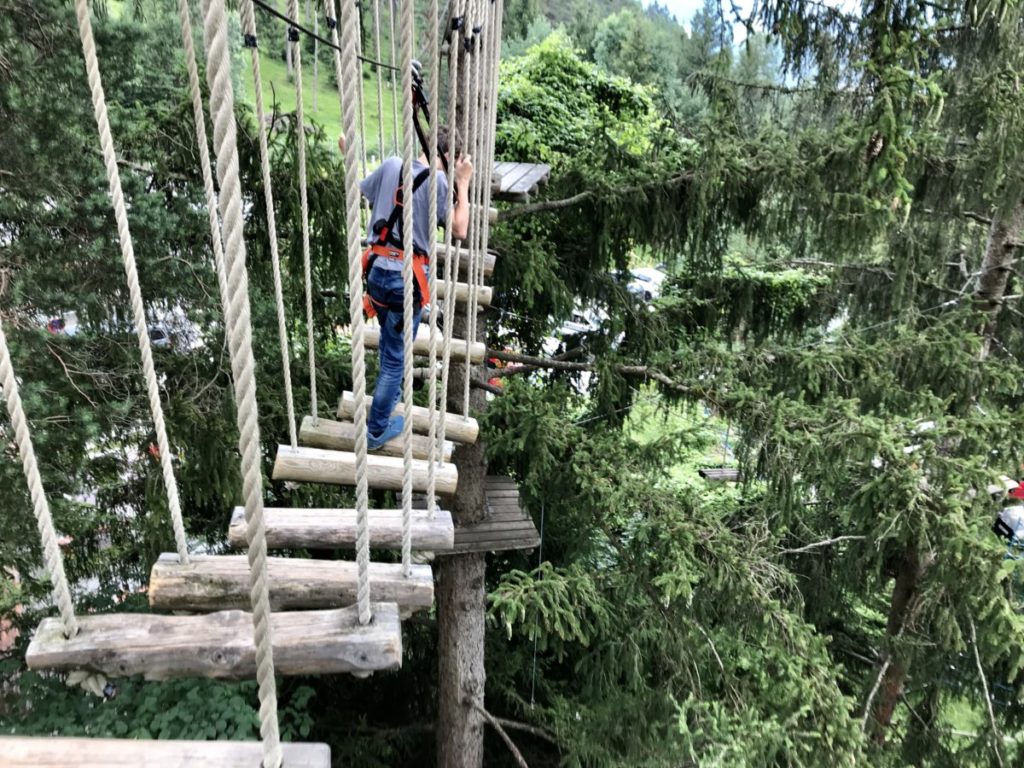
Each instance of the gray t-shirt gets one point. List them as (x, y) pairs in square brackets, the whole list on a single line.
[(379, 188)]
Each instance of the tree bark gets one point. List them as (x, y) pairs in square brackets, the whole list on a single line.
[(1003, 241)]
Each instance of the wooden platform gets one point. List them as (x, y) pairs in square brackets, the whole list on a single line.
[(317, 465), (47, 752), (341, 436), (421, 344), (456, 428), (507, 525), (336, 529), (720, 474), (220, 644), (517, 181), (221, 582)]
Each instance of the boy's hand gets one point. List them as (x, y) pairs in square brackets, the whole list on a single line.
[(463, 169), (341, 142)]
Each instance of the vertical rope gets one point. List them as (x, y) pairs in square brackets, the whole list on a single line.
[(300, 148), (131, 273), (408, 315), (185, 17), (494, 64), (472, 111), (394, 86), (361, 92), (239, 333), (316, 54), (248, 19), (380, 80), (433, 106), (451, 268), (54, 561), (347, 68)]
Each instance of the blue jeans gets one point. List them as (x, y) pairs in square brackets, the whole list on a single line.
[(386, 288)]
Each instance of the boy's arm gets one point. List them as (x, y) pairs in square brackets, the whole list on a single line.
[(460, 217)]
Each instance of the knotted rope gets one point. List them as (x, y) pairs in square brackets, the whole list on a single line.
[(131, 272), (54, 561), (239, 333), (248, 18)]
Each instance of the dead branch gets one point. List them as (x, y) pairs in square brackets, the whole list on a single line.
[(516, 754), (819, 544)]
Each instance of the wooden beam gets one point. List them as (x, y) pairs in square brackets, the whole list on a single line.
[(421, 344), (484, 293), (336, 528), (341, 436), (463, 254), (49, 752), (222, 582), (220, 644), (316, 465), (456, 427)]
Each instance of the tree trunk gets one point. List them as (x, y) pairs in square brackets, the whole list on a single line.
[(1003, 240)]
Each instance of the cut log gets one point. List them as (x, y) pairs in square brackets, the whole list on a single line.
[(336, 528), (341, 436), (316, 465), (421, 344), (456, 427), (484, 293), (221, 582), (220, 644), (44, 752)]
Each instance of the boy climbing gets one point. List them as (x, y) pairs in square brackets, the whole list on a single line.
[(383, 261)]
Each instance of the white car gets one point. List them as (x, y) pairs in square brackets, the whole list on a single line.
[(645, 282)]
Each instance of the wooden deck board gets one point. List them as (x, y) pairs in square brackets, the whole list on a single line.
[(221, 582), (219, 645), (456, 427), (316, 465), (506, 527), (48, 752), (336, 528), (519, 180)]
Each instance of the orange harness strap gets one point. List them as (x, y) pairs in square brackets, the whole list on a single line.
[(419, 262)]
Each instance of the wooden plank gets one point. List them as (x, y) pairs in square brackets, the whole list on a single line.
[(510, 179), (463, 254), (500, 481), (720, 474), (221, 582), (316, 465), (494, 546), (49, 752), (456, 428), (530, 180), (421, 344), (502, 493), (483, 529), (341, 436), (484, 293), (220, 644), (336, 528), (503, 168)]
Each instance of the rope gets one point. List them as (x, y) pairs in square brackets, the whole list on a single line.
[(451, 269), (202, 143), (54, 561), (131, 273), (347, 70), (472, 122), (432, 86), (239, 333), (360, 92), (408, 315), (394, 87), (380, 79), (248, 18), (316, 55), (307, 269)]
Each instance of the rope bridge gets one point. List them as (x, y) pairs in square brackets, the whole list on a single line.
[(256, 615)]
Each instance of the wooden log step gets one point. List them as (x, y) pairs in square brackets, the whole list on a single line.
[(47, 752), (220, 644), (316, 465), (456, 428), (221, 582), (341, 436), (421, 344), (484, 293), (336, 528)]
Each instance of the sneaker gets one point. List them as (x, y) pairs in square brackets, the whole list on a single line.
[(391, 431)]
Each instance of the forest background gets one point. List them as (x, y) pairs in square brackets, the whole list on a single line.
[(837, 196)]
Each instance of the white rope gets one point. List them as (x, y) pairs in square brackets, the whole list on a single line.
[(307, 269), (185, 17), (451, 268), (394, 84), (248, 18), (347, 70), (131, 273), (432, 104), (380, 79), (408, 314), (472, 119), (316, 55), (243, 364), (54, 561), (361, 91)]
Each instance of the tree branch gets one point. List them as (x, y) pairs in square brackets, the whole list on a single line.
[(516, 754), (533, 730), (819, 544), (996, 738)]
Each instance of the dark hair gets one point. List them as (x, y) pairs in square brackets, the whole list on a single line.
[(444, 142)]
